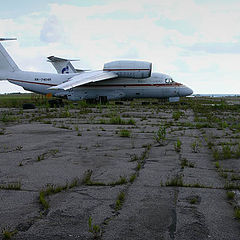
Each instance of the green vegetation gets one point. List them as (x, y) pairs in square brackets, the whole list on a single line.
[(87, 180), (226, 151), (178, 145), (195, 146), (177, 115), (119, 201), (193, 200), (217, 164), (160, 136), (235, 177), (139, 166), (134, 158), (132, 178), (2, 131), (49, 153), (7, 234), (175, 181), (186, 163), (229, 186), (53, 189), (11, 186), (230, 195), (118, 120), (124, 133), (94, 229), (237, 212), (7, 117)]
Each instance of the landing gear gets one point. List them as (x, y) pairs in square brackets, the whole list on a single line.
[(101, 100), (91, 101), (28, 106), (56, 103)]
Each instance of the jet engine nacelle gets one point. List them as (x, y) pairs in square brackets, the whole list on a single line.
[(129, 69)]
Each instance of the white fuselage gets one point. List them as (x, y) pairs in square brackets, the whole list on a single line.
[(156, 86)]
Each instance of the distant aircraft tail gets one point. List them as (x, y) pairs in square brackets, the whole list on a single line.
[(6, 62), (63, 66)]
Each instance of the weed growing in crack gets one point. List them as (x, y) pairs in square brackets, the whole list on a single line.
[(53, 189), (119, 201), (19, 148), (195, 147), (121, 181), (186, 163), (176, 181), (178, 145), (124, 133), (222, 173), (43, 200), (193, 200), (160, 136), (235, 177), (210, 144), (94, 229), (2, 131), (132, 178), (229, 185), (20, 164), (177, 115), (87, 177), (11, 186), (237, 212), (51, 152), (7, 234), (41, 157), (230, 195), (139, 166), (217, 164), (134, 158)]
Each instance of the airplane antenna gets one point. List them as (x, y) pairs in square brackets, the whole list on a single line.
[(6, 39)]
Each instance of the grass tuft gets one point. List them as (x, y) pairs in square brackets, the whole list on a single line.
[(124, 133), (119, 201), (230, 195)]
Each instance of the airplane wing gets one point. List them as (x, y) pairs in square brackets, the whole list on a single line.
[(84, 78)]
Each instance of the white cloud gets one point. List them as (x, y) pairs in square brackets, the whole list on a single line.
[(97, 34), (52, 30)]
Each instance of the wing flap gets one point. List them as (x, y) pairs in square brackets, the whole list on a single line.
[(84, 78)]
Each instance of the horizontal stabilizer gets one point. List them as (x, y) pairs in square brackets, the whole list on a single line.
[(58, 59), (7, 39), (84, 78)]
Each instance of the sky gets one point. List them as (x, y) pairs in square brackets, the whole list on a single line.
[(196, 42)]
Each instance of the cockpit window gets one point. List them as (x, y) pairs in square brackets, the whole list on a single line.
[(169, 80)]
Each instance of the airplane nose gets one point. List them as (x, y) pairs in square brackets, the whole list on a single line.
[(186, 91), (189, 91)]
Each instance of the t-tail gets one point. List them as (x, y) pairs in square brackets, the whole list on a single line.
[(6, 62), (62, 65)]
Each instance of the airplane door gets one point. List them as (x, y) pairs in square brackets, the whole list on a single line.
[(176, 91)]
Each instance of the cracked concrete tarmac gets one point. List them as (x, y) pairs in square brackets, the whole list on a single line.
[(38, 155)]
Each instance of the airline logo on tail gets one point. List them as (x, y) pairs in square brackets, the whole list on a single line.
[(65, 70)]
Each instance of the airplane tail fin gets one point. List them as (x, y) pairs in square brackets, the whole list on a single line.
[(62, 65), (6, 62)]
